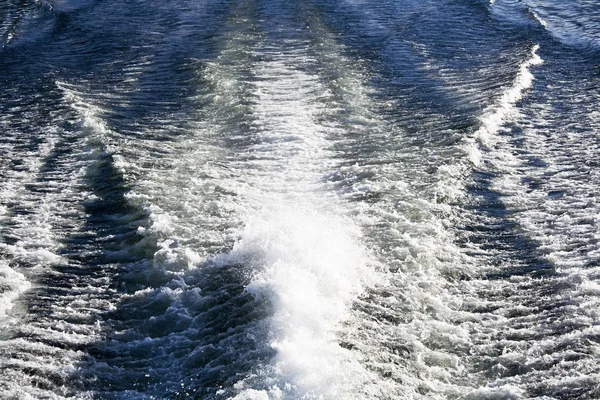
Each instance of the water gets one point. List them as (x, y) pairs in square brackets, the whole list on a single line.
[(305, 199)]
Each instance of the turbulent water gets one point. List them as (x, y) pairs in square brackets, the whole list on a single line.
[(299, 199)]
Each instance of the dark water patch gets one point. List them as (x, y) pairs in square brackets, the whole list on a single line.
[(495, 229), (192, 337)]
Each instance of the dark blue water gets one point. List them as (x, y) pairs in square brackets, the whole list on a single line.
[(302, 199)]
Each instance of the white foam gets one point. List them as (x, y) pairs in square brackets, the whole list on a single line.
[(12, 285), (539, 19), (38, 242), (35, 240), (312, 266), (95, 133), (309, 259), (504, 110), (506, 392)]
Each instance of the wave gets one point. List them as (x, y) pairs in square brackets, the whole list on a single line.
[(538, 214), (572, 24), (502, 111)]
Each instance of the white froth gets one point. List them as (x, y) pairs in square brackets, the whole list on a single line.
[(311, 266), (539, 19), (309, 260), (36, 242), (504, 110), (12, 285)]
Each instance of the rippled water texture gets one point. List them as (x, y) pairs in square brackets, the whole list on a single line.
[(299, 199)]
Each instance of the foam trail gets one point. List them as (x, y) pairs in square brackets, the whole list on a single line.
[(545, 301), (502, 111), (37, 243), (309, 259), (307, 256)]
